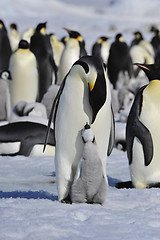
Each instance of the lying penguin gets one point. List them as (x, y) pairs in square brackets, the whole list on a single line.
[(89, 185)]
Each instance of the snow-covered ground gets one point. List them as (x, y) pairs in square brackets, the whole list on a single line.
[(28, 197)]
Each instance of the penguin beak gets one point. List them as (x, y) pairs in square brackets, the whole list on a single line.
[(141, 66), (68, 31)]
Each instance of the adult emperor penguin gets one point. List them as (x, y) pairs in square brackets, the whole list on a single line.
[(143, 131), (74, 49), (84, 96), (25, 138), (89, 185), (5, 47), (101, 48), (57, 46), (24, 72), (14, 36), (119, 59), (40, 45)]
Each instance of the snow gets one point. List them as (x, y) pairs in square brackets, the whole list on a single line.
[(29, 207)]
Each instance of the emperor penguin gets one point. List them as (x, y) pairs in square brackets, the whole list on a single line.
[(25, 138), (40, 45), (143, 131), (119, 60), (101, 48), (84, 96), (5, 100), (5, 47), (155, 41), (57, 47), (24, 72), (14, 36), (73, 50), (89, 185)]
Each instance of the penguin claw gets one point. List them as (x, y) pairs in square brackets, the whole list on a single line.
[(67, 200), (127, 184)]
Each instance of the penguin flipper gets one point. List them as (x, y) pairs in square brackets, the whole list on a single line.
[(137, 129), (53, 112), (112, 134)]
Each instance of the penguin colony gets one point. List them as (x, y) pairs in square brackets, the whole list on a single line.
[(82, 93)]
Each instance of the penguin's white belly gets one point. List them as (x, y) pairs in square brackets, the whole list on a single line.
[(72, 115), (24, 84), (38, 150), (9, 148), (142, 175)]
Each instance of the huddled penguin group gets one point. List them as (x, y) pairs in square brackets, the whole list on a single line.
[(59, 98)]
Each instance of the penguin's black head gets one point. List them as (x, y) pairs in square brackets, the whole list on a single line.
[(104, 38), (87, 126), (151, 70), (13, 26), (119, 37), (23, 44), (6, 75), (74, 34), (138, 35), (40, 26), (1, 22), (97, 85), (2, 26)]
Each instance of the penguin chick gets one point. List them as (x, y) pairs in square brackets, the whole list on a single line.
[(89, 185), (74, 49), (5, 106), (101, 48)]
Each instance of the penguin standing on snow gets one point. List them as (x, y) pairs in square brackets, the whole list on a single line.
[(25, 138), (156, 45), (40, 45), (14, 36), (101, 49), (24, 72), (143, 131), (74, 49), (57, 46), (5, 101), (5, 47), (119, 59), (89, 185), (84, 96)]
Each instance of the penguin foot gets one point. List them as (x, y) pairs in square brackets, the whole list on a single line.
[(127, 184), (154, 185), (67, 200)]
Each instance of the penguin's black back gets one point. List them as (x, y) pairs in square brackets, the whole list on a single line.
[(40, 45), (5, 48)]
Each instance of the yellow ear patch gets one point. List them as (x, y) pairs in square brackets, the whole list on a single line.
[(79, 38), (43, 31), (138, 35), (99, 40), (1, 25), (121, 39)]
